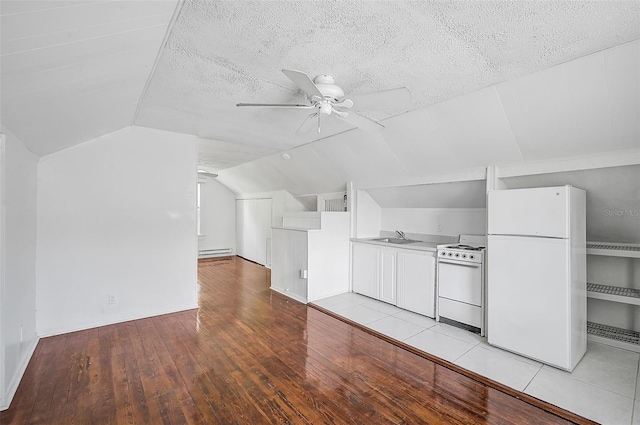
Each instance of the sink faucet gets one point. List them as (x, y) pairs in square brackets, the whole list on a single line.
[(400, 234)]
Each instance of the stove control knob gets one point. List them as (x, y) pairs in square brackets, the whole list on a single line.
[(464, 255), (471, 257), (457, 254), (450, 254)]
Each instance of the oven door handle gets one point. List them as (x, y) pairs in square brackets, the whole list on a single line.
[(459, 263)]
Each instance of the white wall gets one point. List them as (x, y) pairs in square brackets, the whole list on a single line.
[(217, 216), (436, 221), (18, 297), (368, 216), (613, 199), (116, 216), (452, 194)]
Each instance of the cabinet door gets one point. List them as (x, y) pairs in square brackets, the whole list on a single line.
[(387, 275), (246, 228), (240, 220), (253, 229), (416, 281), (364, 277)]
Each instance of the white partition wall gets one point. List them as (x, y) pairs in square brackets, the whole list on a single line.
[(18, 336), (116, 230)]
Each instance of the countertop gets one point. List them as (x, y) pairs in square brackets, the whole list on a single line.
[(417, 246)]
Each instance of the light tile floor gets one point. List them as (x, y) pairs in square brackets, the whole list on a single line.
[(603, 387)]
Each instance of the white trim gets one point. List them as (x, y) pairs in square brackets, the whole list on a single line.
[(96, 324), (493, 182), (3, 392), (174, 18), (5, 402), (558, 165)]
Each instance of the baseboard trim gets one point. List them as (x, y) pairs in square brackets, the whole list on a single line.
[(53, 332), (17, 377)]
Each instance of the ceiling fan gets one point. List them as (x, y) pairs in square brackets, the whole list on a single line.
[(329, 99)]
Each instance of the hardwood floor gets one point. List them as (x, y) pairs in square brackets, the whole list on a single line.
[(248, 356)]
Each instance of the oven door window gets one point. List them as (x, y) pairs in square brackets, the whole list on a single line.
[(460, 281)]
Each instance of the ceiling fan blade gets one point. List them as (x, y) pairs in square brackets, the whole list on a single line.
[(304, 127), (344, 103), (383, 100), (341, 114), (364, 123), (277, 105), (304, 82)]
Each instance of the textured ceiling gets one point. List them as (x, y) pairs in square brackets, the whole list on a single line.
[(74, 70), (220, 53)]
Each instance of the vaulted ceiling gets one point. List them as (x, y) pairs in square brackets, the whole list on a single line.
[(492, 82)]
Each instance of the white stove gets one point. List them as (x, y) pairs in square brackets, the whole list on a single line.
[(461, 288), (462, 252)]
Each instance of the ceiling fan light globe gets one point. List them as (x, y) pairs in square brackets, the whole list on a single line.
[(325, 108)]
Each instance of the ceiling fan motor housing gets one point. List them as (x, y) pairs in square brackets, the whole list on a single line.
[(325, 84)]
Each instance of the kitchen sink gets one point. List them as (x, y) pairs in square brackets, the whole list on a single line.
[(398, 241)]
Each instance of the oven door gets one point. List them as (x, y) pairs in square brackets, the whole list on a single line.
[(460, 281)]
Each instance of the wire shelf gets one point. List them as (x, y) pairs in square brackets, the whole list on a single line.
[(613, 290), (610, 332), (614, 247)]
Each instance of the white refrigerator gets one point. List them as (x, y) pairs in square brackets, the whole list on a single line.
[(536, 273)]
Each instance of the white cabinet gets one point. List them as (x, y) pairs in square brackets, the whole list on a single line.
[(402, 277), (310, 264), (416, 281), (613, 292), (365, 269), (387, 272), (253, 229)]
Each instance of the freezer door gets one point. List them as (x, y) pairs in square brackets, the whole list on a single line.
[(532, 212), (528, 298)]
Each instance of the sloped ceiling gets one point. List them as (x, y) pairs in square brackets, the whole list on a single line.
[(75, 70), (492, 82), (580, 108), (222, 53)]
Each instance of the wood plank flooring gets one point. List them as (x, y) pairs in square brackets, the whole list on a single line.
[(248, 356)]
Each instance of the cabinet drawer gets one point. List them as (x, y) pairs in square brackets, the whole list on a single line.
[(460, 312)]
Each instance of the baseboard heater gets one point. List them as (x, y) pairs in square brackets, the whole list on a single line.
[(220, 252)]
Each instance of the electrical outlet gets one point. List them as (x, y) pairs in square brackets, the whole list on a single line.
[(439, 228), (113, 298)]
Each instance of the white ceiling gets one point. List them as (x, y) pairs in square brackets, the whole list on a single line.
[(492, 82), (75, 70)]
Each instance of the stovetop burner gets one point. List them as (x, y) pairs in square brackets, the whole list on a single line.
[(466, 247)]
